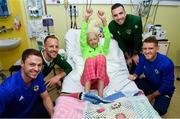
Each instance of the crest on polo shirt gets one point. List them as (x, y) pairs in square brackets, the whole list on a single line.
[(51, 64), (119, 32), (144, 67), (36, 88), (128, 31), (156, 71), (21, 98), (135, 26)]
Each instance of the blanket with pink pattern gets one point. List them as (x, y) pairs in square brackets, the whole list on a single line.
[(125, 107), (68, 108)]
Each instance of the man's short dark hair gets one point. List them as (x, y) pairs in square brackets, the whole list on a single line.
[(50, 36), (29, 52), (116, 5), (151, 39)]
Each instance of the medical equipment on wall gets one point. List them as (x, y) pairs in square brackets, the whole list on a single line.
[(4, 8), (40, 41), (44, 26), (154, 30), (48, 29), (70, 11), (143, 8), (35, 28), (73, 12), (34, 8), (48, 24), (147, 8), (47, 21), (66, 3)]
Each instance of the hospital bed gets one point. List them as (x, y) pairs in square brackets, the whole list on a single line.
[(130, 106)]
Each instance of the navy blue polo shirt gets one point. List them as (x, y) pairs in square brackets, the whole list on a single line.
[(159, 72), (16, 98)]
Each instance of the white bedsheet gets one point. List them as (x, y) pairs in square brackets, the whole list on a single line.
[(116, 67)]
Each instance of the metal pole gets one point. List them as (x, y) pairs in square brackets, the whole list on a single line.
[(45, 11)]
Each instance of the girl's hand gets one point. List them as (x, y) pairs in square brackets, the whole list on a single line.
[(101, 15), (87, 14)]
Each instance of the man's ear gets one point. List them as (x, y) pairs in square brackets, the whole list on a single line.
[(22, 62)]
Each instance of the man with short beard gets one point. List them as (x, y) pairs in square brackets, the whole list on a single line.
[(127, 31), (51, 58)]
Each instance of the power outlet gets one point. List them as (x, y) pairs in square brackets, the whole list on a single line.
[(73, 10)]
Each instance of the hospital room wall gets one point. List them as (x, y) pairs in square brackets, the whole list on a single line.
[(10, 56), (167, 16)]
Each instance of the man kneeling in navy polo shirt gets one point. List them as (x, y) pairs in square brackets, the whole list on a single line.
[(19, 92), (158, 69)]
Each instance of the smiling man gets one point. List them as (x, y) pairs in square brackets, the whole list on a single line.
[(158, 69), (127, 31), (51, 58), (19, 92)]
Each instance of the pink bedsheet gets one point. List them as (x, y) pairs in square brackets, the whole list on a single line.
[(68, 108)]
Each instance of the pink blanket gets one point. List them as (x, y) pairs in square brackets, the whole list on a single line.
[(130, 107), (68, 108)]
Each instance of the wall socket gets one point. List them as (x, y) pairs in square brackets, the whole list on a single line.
[(72, 10)]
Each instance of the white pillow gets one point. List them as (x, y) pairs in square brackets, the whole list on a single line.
[(72, 42), (115, 58), (78, 63)]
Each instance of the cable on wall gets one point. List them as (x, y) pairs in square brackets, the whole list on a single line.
[(88, 4), (155, 13)]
